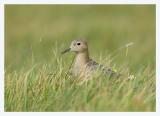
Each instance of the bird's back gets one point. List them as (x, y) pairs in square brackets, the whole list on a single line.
[(93, 66)]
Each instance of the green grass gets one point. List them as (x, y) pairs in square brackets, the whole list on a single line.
[(36, 34)]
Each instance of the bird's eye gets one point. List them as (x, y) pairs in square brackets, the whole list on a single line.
[(78, 44)]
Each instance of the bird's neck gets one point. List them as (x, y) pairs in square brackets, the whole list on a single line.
[(81, 59)]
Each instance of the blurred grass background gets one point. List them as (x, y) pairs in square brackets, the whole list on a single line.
[(34, 29), (32, 32)]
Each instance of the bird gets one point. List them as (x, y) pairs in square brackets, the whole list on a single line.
[(83, 65)]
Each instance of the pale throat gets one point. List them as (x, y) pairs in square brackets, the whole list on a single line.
[(81, 59)]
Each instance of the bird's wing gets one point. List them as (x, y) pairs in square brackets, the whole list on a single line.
[(107, 70)]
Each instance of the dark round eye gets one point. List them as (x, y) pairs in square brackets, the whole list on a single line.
[(78, 44)]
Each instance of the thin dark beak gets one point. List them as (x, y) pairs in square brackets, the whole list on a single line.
[(65, 51)]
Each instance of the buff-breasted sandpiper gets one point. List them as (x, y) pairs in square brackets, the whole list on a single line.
[(83, 66)]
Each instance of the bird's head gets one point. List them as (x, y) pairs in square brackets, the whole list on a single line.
[(77, 46)]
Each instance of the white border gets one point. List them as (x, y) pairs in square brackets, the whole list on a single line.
[(2, 2), (158, 57), (79, 1), (1, 57)]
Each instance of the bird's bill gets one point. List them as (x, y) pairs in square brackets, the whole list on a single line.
[(65, 51)]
